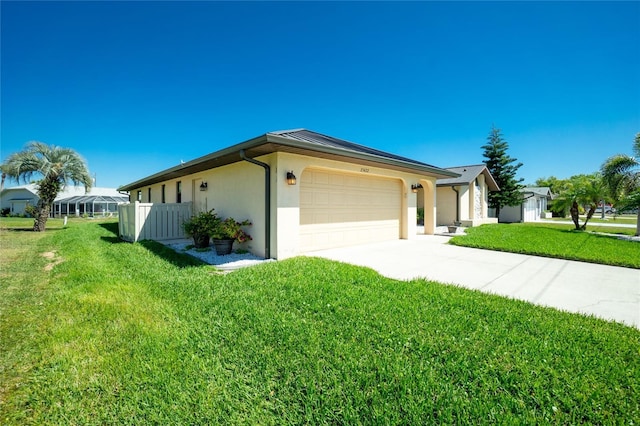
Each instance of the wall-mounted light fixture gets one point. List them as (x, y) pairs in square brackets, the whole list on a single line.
[(203, 186), (415, 187), (291, 178)]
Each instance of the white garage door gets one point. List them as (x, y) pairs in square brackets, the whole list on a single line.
[(338, 209)]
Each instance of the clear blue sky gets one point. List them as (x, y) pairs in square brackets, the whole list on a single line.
[(135, 87)]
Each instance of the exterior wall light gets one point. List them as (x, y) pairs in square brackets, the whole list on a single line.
[(291, 178), (203, 186), (415, 187)]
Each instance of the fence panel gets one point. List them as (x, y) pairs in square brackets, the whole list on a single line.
[(148, 221)]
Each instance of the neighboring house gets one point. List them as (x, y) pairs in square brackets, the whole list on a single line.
[(534, 203), (71, 201), (303, 191), (464, 199), (17, 198)]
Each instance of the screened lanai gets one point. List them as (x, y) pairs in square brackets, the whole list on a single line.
[(90, 205)]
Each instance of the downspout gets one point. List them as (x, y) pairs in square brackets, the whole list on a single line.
[(267, 202), (457, 203)]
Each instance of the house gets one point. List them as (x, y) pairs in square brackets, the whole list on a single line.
[(465, 198), (17, 198), (302, 190), (71, 201), (533, 207)]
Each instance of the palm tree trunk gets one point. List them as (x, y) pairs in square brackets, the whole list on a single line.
[(575, 215), (592, 210), (638, 224), (40, 221)]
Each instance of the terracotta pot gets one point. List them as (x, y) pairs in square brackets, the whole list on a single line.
[(223, 246)]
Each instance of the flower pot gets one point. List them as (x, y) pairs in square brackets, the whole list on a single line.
[(452, 229), (223, 246), (201, 240)]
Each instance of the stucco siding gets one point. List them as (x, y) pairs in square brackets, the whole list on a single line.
[(446, 200), (237, 190), (17, 199)]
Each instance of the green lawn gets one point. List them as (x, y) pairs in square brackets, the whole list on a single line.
[(119, 333), (612, 219), (554, 240)]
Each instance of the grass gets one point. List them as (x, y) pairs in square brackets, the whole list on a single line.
[(119, 333), (559, 241), (612, 219)]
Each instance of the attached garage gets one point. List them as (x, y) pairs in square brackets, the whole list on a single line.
[(305, 191), (341, 209)]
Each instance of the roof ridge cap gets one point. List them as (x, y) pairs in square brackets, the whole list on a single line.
[(280, 132)]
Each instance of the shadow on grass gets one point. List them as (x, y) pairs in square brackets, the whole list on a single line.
[(179, 260), (600, 233), (30, 229), (111, 227)]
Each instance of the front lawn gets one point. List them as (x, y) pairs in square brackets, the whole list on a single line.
[(98, 331), (611, 219), (560, 241)]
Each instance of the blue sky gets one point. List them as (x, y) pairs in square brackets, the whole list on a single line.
[(135, 87)]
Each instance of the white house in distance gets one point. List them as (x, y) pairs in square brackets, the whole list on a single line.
[(71, 201), (534, 203), (464, 199), (303, 191)]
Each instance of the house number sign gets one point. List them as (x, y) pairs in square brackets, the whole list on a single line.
[(364, 170)]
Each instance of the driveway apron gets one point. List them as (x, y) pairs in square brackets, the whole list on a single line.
[(608, 292)]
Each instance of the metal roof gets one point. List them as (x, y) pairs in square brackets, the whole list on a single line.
[(467, 175), (297, 141), (94, 199), (545, 191)]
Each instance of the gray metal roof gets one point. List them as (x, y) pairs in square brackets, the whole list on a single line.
[(545, 191), (329, 141), (467, 175), (297, 141), (94, 199)]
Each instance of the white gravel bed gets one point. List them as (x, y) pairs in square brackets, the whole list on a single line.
[(227, 262)]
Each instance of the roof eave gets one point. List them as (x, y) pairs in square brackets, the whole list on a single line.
[(192, 166), (413, 167), (201, 163)]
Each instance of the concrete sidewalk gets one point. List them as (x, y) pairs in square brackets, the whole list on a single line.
[(608, 292)]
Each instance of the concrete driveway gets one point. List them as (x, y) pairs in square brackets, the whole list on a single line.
[(607, 292)]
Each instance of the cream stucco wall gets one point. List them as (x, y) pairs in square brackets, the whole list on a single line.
[(447, 205), (288, 196), (237, 190), (474, 208)]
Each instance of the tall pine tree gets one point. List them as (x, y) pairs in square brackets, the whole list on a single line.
[(503, 168)]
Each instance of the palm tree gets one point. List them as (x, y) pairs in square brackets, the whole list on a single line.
[(621, 174), (58, 166), (580, 190)]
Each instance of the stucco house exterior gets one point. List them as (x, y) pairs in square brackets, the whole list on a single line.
[(71, 201), (464, 199), (17, 198), (303, 191), (534, 203)]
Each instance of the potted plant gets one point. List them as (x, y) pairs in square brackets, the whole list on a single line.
[(200, 227), (454, 228), (226, 232)]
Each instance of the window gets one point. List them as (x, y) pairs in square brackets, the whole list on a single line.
[(149, 195), (139, 196), (164, 200), (178, 192)]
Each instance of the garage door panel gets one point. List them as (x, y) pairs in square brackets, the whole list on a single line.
[(344, 209)]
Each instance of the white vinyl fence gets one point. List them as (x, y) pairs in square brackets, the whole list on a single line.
[(149, 221)]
